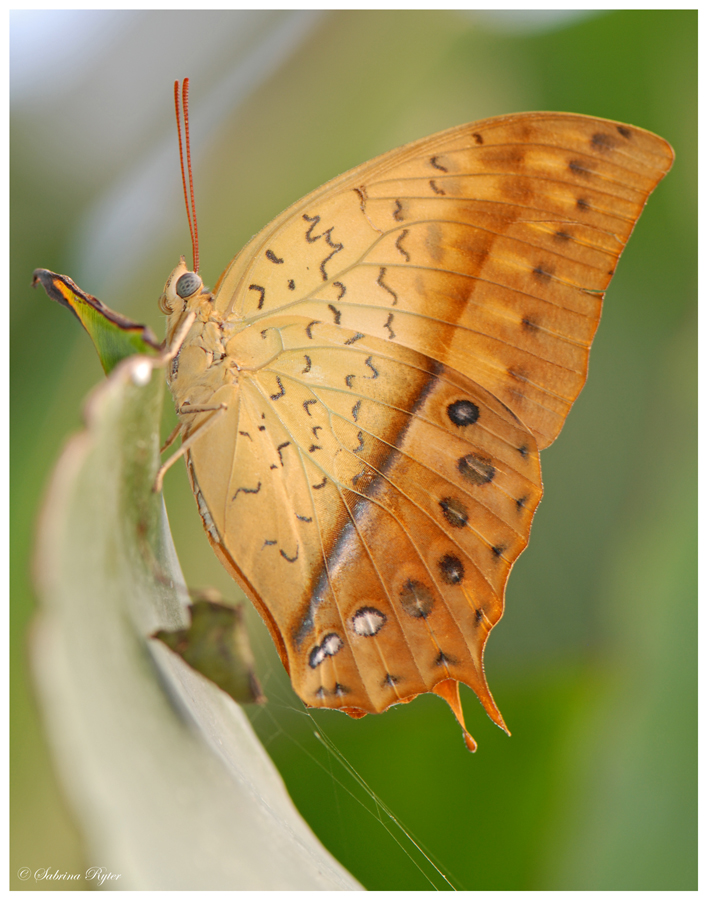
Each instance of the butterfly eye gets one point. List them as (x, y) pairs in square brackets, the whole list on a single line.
[(188, 284)]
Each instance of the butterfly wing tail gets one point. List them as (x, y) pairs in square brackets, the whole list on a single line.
[(449, 690)]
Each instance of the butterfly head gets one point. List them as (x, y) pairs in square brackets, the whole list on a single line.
[(182, 291)]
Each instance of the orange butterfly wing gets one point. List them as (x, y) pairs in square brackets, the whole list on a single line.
[(391, 353)]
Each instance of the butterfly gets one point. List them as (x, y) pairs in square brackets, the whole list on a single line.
[(363, 396)]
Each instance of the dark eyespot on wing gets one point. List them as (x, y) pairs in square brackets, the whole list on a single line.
[(580, 167), (542, 274), (603, 141), (416, 599), (476, 469), (454, 511), (463, 413), (444, 659), (451, 569)]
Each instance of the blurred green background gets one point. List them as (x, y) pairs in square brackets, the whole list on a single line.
[(594, 664)]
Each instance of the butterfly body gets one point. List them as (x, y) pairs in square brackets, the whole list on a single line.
[(366, 390)]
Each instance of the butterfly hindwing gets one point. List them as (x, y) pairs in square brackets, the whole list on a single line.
[(379, 508)]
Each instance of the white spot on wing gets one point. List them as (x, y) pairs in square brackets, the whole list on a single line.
[(330, 646), (368, 621), (316, 657)]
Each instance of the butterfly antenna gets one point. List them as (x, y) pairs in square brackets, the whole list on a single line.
[(188, 194)]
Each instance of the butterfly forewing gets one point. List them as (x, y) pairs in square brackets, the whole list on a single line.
[(501, 235), (391, 353)]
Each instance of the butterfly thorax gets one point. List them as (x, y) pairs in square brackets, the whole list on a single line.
[(218, 349)]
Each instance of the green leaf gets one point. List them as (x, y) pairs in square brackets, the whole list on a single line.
[(169, 784), (115, 337)]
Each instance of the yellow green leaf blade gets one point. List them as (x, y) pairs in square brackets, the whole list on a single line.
[(114, 336)]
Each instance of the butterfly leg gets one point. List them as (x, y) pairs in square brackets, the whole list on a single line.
[(167, 356), (193, 437), (178, 339), (171, 439)]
